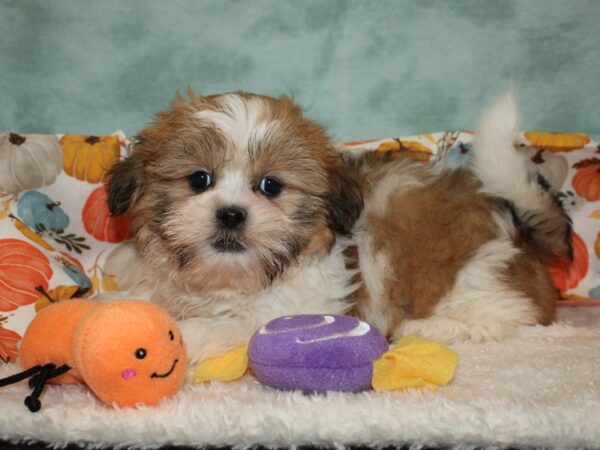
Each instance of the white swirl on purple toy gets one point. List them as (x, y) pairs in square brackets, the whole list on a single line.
[(360, 330), (325, 320), (316, 353), (309, 329)]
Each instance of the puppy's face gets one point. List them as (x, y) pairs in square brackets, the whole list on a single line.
[(228, 191)]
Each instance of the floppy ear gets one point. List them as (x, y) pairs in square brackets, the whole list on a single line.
[(124, 184), (345, 201)]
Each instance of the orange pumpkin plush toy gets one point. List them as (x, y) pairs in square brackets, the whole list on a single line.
[(126, 351)]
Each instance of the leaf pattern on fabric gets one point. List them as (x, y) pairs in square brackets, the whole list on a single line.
[(30, 234)]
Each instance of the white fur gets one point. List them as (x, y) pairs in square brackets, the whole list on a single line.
[(389, 185), (316, 286), (241, 121), (506, 225), (372, 270), (482, 305), (504, 171), (233, 187)]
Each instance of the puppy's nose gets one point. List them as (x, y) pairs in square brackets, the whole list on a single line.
[(231, 217)]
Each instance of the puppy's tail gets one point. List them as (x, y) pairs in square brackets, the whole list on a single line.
[(536, 210)]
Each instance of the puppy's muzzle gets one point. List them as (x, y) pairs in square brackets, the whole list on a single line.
[(231, 218)]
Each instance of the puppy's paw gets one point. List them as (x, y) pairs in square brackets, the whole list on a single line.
[(450, 331)]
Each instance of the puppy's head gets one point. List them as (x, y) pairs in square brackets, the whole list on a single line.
[(228, 191)]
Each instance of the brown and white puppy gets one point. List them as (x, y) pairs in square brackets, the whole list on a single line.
[(459, 254), (237, 200), (245, 211)]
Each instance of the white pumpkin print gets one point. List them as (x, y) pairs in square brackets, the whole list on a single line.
[(28, 161), (554, 168), (125, 264)]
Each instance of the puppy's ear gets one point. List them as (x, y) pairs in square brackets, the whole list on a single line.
[(345, 201), (124, 184)]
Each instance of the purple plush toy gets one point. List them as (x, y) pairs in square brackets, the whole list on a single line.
[(316, 353)]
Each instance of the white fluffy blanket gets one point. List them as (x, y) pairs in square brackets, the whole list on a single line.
[(539, 389)]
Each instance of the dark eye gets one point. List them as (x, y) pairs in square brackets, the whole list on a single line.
[(171, 335), (140, 353), (270, 187), (200, 180)]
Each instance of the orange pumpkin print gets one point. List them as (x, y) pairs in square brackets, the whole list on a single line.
[(99, 223), (355, 143), (567, 274), (8, 344), (586, 181), (88, 158), (413, 149), (22, 268), (556, 142)]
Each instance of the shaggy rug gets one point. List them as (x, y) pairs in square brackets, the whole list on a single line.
[(540, 388)]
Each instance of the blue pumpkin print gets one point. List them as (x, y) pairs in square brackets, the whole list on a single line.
[(77, 275), (460, 155), (35, 209), (594, 293)]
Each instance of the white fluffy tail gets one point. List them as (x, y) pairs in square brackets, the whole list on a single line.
[(505, 174), (503, 171)]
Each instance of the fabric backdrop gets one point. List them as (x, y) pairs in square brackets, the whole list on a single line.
[(363, 68)]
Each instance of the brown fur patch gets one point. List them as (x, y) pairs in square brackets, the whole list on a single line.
[(428, 234)]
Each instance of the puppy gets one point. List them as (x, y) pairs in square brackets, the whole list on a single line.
[(245, 210), (238, 203), (459, 254)]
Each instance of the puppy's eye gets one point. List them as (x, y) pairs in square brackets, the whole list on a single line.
[(200, 180), (270, 187)]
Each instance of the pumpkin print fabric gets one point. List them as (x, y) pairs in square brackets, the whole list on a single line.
[(58, 241), (88, 158), (55, 230)]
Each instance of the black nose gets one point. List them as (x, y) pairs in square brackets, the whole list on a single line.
[(232, 217)]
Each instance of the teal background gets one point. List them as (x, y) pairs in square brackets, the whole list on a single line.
[(362, 68)]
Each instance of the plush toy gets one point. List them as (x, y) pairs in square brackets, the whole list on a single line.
[(318, 353), (126, 351)]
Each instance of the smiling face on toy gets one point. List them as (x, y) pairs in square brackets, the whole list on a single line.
[(144, 360)]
